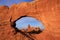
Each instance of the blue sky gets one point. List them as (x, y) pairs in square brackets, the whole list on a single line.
[(23, 22), (10, 2)]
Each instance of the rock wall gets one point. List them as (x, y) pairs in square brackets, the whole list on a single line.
[(46, 11)]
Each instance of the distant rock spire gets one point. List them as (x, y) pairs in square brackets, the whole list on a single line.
[(29, 26)]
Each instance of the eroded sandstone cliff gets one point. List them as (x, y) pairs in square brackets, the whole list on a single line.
[(46, 11)]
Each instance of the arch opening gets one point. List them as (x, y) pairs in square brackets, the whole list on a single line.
[(29, 23)]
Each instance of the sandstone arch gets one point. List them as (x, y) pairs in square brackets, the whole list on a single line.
[(47, 11)]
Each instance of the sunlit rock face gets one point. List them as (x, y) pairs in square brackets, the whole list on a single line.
[(46, 11)]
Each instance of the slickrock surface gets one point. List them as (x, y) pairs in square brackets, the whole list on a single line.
[(46, 11)]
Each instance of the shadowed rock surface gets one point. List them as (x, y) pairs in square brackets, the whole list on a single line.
[(46, 11)]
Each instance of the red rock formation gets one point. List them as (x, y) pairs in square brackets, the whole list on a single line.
[(46, 11), (30, 29)]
